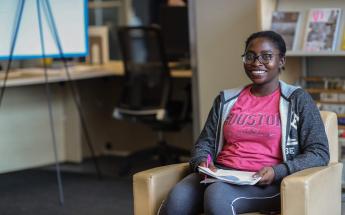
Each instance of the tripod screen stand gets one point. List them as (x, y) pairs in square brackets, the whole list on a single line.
[(41, 29)]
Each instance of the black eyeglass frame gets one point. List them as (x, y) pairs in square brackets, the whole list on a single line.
[(259, 58)]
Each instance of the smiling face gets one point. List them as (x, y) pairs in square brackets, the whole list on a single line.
[(265, 73)]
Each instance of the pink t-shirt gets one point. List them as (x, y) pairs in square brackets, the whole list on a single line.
[(252, 132)]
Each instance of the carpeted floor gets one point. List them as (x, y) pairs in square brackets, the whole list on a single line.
[(35, 192)]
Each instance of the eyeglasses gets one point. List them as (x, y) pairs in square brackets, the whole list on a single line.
[(249, 58)]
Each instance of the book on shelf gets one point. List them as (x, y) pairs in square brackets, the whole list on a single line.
[(229, 176), (322, 29), (286, 24), (343, 42)]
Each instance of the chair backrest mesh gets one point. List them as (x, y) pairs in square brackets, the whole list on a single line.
[(147, 79)]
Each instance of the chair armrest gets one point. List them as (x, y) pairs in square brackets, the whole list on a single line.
[(313, 191), (151, 187)]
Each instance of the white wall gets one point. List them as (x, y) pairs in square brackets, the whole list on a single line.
[(219, 30)]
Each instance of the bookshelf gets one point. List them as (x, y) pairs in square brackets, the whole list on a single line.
[(265, 8), (300, 63)]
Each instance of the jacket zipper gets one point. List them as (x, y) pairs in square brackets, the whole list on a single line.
[(218, 125)]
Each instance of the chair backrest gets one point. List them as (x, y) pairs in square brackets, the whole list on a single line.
[(147, 76), (331, 126)]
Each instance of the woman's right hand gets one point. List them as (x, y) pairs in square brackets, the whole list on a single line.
[(210, 165)]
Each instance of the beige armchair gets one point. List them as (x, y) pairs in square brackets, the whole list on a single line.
[(314, 191)]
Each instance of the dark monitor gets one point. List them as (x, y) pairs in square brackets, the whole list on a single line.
[(175, 29)]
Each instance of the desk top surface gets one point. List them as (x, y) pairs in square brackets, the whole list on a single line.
[(31, 76)]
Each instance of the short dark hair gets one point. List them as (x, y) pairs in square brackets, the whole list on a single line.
[(274, 37)]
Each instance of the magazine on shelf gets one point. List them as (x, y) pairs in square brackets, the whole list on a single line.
[(286, 24), (322, 29), (229, 176)]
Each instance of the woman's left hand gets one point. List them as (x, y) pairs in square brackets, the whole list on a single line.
[(266, 174)]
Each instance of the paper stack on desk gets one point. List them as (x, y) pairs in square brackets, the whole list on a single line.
[(229, 176)]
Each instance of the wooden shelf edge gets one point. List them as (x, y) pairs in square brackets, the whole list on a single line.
[(316, 90), (300, 53), (330, 102)]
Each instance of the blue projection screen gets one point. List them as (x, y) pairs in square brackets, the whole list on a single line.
[(69, 19)]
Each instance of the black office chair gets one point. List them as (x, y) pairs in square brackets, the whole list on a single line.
[(146, 94)]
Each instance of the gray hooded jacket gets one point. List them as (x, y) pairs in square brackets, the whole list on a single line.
[(304, 142)]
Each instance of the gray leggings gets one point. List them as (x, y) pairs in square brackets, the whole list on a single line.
[(191, 197)]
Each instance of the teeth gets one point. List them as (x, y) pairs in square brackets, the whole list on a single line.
[(258, 72)]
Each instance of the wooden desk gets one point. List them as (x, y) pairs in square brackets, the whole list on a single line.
[(24, 123), (31, 76)]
